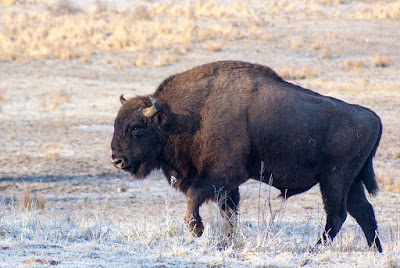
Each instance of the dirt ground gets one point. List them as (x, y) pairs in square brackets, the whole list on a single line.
[(56, 118)]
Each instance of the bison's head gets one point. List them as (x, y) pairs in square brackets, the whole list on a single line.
[(137, 142)]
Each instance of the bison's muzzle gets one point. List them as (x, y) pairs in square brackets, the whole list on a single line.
[(120, 162)]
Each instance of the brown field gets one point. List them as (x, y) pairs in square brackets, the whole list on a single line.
[(63, 66)]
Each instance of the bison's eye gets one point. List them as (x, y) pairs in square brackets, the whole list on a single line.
[(137, 130)]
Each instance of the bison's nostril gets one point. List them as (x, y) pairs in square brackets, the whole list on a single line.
[(118, 162)]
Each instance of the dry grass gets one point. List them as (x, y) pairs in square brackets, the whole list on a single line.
[(145, 28), (78, 34), (104, 233), (61, 98), (42, 261), (393, 187), (8, 2), (213, 46), (353, 64), (164, 60), (326, 53), (297, 43), (319, 44), (139, 61), (64, 7), (29, 201), (293, 73), (377, 10), (381, 61)]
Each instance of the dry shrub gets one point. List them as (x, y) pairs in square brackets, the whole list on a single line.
[(200, 9), (332, 2), (100, 6), (256, 35), (53, 150), (60, 98), (139, 61), (292, 73), (326, 53), (165, 60), (66, 32), (381, 61), (141, 12), (378, 10), (36, 261), (297, 43), (213, 46), (63, 7), (120, 65), (8, 2), (353, 64), (316, 45), (393, 187), (29, 201)]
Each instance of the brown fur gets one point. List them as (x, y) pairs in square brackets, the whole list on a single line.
[(219, 121)]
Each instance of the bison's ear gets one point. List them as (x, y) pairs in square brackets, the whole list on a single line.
[(153, 109), (122, 99)]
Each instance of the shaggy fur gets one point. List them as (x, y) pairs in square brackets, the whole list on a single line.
[(219, 121)]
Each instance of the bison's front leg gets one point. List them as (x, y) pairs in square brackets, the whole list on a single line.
[(229, 203), (195, 224), (195, 196)]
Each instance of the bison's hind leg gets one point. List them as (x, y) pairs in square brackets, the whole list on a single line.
[(334, 189), (359, 207)]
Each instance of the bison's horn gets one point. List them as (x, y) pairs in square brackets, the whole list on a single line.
[(122, 99), (153, 109)]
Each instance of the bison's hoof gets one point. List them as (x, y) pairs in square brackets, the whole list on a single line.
[(195, 226)]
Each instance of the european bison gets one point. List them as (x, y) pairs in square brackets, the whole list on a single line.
[(210, 128)]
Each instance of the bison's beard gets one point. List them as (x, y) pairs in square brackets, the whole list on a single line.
[(140, 170)]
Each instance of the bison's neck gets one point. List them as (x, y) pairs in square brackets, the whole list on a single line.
[(177, 160), (178, 129)]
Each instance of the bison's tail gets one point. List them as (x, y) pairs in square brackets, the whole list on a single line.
[(367, 172)]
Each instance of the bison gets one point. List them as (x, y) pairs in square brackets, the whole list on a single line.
[(209, 129)]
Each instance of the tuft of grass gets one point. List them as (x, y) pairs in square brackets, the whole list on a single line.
[(381, 10), (8, 2), (353, 64), (165, 60), (120, 65), (317, 45), (213, 46), (57, 101), (139, 61), (29, 201), (326, 53), (100, 6), (35, 261), (64, 7), (393, 186), (381, 61), (292, 73), (297, 43)]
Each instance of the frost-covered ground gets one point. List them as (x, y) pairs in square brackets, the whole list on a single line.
[(114, 222), (63, 66)]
